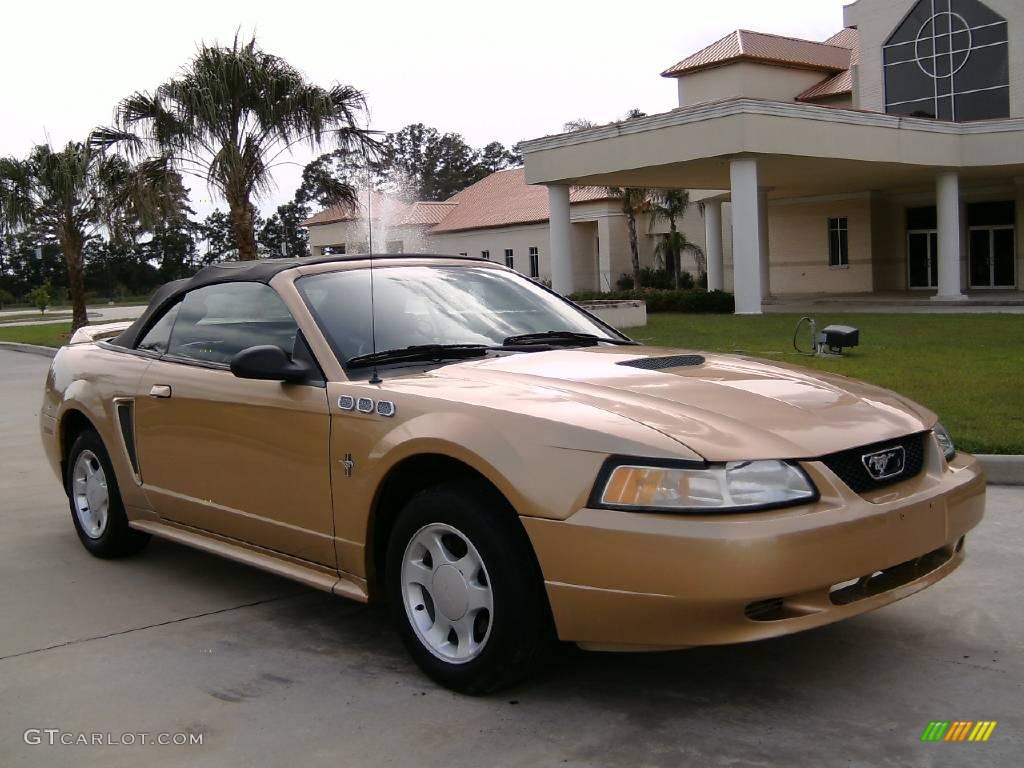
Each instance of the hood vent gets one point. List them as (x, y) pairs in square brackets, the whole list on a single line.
[(658, 363)]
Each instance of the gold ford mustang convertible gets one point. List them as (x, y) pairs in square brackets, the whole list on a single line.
[(498, 465)]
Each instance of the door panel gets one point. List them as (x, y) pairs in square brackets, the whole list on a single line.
[(981, 258), (921, 250), (242, 458), (1004, 256)]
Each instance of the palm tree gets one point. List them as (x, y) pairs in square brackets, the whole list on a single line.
[(671, 205), (73, 194), (229, 118), (634, 202)]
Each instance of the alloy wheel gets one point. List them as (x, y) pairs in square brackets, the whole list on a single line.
[(447, 593), (89, 493)]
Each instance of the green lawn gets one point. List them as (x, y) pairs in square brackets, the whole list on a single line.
[(969, 369), (48, 335)]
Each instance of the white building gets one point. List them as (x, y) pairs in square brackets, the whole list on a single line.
[(887, 158), (903, 171), (504, 219)]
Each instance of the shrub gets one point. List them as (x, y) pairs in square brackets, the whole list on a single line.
[(41, 297), (656, 278), (6, 298), (691, 301)]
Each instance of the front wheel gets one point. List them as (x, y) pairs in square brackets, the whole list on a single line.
[(465, 589)]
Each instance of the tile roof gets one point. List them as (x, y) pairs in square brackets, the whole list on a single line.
[(744, 45), (842, 83), (427, 213), (837, 85), (503, 199), (390, 207)]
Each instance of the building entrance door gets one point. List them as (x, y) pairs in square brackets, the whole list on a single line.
[(922, 253), (992, 257)]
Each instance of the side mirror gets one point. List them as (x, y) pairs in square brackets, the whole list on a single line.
[(269, 363)]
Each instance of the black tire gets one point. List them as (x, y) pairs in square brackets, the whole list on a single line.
[(116, 539), (521, 630)]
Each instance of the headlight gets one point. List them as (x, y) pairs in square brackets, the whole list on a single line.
[(945, 441), (738, 486)]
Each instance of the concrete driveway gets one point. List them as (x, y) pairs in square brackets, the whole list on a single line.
[(272, 674)]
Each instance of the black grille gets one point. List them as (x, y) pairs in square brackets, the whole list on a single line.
[(657, 363), (849, 465)]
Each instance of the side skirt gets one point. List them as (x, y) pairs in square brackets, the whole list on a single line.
[(343, 585)]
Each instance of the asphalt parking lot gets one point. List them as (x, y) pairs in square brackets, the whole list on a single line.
[(273, 674)]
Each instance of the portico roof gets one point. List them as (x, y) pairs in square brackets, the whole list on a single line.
[(801, 148)]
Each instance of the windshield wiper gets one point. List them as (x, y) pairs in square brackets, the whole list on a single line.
[(561, 337), (420, 352)]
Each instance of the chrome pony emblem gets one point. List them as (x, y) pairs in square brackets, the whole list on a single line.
[(882, 465)]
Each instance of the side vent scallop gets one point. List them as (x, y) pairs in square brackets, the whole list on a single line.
[(126, 420)]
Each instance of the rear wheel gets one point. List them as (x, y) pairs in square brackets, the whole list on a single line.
[(465, 589), (96, 507)]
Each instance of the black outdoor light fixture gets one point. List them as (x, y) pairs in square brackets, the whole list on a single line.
[(832, 340)]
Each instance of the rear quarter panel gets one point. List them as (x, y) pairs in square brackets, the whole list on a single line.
[(86, 378)]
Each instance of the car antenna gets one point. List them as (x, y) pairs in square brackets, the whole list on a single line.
[(375, 378)]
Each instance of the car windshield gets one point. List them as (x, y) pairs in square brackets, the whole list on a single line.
[(417, 305)]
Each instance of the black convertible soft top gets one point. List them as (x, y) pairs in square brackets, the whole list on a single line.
[(260, 271)]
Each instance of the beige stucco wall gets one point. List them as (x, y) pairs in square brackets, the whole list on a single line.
[(496, 240), (745, 78), (876, 20), (889, 244), (798, 244), (349, 233), (353, 235)]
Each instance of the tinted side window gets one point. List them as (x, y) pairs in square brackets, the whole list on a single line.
[(158, 336), (218, 321)]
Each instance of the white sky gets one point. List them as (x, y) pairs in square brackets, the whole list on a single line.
[(488, 70)]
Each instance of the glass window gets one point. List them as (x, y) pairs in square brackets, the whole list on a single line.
[(534, 261), (1003, 213), (334, 250), (485, 255), (217, 322), (435, 305), (948, 59), (922, 218), (838, 243), (159, 335), (510, 260)]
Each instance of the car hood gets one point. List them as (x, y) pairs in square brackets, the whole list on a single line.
[(723, 407)]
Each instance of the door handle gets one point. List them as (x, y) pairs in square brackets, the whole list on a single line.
[(160, 390)]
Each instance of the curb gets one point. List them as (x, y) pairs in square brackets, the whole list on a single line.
[(1003, 470), (32, 349)]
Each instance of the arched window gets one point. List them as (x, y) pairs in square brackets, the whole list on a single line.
[(948, 59)]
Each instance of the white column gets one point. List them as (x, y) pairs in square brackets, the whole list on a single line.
[(604, 254), (713, 242), (948, 208), (746, 228), (560, 229), (762, 236)]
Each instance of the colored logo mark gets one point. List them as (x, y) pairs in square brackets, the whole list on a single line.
[(958, 730)]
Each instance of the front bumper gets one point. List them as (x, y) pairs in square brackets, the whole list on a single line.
[(629, 581)]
